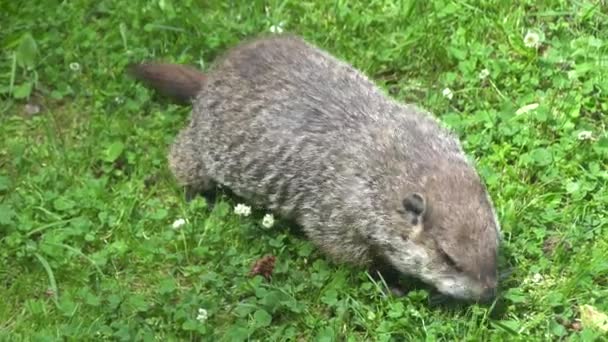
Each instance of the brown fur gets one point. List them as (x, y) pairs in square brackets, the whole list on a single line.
[(285, 125), (178, 82)]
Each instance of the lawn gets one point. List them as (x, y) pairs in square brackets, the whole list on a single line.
[(89, 248)]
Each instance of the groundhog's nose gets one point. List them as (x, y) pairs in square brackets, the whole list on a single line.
[(489, 282), (489, 292), (488, 295)]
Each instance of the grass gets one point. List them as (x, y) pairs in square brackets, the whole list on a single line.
[(87, 248)]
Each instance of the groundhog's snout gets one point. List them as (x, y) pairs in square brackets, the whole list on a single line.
[(488, 294), (488, 280), (489, 290)]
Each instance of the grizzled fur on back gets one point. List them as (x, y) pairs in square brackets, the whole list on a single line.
[(285, 125)]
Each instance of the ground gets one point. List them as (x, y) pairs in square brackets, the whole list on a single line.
[(87, 205)]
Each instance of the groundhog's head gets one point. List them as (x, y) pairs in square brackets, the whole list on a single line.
[(446, 233)]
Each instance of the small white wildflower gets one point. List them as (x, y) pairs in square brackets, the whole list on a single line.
[(119, 100), (532, 40), (242, 210), (32, 109), (202, 315), (447, 92), (268, 221), (178, 223), (585, 135), (527, 108), (484, 73), (537, 278), (74, 66), (593, 318), (277, 28)]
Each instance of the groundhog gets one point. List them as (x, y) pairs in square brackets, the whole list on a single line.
[(370, 181)]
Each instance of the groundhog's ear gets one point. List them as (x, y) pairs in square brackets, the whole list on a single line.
[(414, 204)]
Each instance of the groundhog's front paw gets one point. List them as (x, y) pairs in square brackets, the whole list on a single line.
[(388, 275), (210, 195), (190, 193)]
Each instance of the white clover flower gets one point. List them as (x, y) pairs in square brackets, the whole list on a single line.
[(532, 40), (178, 223), (242, 210), (74, 66), (484, 73), (277, 28), (202, 315), (268, 221), (537, 278), (585, 135), (447, 92), (32, 108), (527, 108)]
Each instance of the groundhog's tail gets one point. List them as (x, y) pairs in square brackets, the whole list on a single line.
[(179, 82)]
